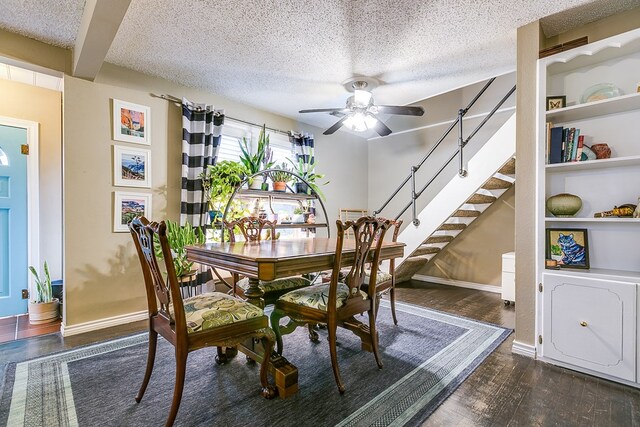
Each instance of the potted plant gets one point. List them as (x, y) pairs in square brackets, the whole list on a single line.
[(253, 162), (307, 172), (280, 177), (298, 216), (179, 237), (267, 163), (44, 308), (218, 183)]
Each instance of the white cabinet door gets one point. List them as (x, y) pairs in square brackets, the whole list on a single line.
[(590, 323)]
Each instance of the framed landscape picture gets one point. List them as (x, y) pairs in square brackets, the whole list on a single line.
[(131, 122), (568, 246), (131, 167), (127, 206)]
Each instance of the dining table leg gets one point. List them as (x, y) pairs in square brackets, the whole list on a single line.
[(254, 294)]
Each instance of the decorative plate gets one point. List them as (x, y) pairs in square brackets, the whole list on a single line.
[(599, 92)]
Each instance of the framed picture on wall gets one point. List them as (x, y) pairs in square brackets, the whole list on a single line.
[(131, 167), (131, 122), (569, 247), (127, 206)]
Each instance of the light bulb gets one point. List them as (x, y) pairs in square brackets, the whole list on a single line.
[(361, 97), (370, 121)]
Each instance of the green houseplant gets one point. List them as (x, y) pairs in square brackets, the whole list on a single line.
[(280, 177), (178, 238), (255, 162), (218, 183), (307, 172), (43, 308)]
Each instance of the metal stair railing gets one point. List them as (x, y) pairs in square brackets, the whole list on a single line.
[(462, 142)]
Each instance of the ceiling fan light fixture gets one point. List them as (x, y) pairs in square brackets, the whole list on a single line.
[(361, 98), (356, 122)]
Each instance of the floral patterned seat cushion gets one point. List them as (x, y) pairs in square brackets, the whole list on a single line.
[(317, 296), (276, 285), (214, 309), (381, 276)]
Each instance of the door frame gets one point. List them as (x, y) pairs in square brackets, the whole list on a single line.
[(33, 192)]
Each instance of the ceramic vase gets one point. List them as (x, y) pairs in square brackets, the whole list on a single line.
[(564, 205), (43, 312), (602, 151), (256, 184)]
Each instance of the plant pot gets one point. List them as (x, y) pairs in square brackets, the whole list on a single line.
[(280, 186), (564, 205), (256, 184), (215, 215), (297, 218), (264, 186), (302, 188), (43, 312)]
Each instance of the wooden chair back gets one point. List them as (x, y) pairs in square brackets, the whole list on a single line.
[(368, 235), (251, 228), (143, 233)]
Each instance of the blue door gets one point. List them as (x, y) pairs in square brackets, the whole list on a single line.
[(13, 221)]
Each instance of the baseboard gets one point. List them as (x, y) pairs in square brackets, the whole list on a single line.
[(458, 283), (108, 322), (523, 349)]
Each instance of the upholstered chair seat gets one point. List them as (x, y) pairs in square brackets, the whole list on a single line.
[(214, 309), (317, 296), (381, 277), (269, 286)]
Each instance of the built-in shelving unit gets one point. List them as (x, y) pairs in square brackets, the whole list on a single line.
[(587, 318)]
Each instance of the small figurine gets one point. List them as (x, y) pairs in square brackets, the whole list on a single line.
[(636, 213), (626, 210)]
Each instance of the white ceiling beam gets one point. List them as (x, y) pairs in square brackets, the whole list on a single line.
[(100, 22)]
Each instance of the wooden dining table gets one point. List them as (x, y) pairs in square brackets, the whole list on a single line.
[(275, 259)]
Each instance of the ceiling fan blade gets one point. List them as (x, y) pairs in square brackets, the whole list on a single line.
[(335, 127), (381, 128), (400, 110), (325, 110)]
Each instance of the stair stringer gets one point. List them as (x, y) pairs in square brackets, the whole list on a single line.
[(483, 165)]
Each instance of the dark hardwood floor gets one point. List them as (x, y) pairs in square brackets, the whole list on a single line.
[(506, 390)]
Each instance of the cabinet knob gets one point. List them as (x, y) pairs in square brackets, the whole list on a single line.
[(583, 324)]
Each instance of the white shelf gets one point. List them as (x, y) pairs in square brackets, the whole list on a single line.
[(618, 104), (609, 220), (600, 273), (615, 162)]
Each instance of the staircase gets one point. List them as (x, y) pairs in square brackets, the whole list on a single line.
[(488, 193)]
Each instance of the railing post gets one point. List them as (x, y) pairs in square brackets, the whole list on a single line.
[(461, 171), (414, 196)]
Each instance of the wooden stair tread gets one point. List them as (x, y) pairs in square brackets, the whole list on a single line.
[(439, 239), (425, 250), (452, 226), (496, 184), (478, 199), (509, 168), (463, 213)]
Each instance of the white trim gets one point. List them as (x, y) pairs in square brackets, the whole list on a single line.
[(523, 349), (108, 322), (33, 191), (458, 283)]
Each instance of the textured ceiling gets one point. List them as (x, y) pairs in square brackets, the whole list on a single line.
[(287, 55)]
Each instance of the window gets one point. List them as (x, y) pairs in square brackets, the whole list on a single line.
[(233, 131)]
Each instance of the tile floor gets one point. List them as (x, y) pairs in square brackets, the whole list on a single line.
[(16, 327)]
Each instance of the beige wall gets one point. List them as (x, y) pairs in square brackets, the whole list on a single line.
[(43, 106), (476, 255), (530, 41), (102, 274)]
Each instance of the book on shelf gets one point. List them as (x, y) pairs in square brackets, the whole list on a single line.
[(563, 144)]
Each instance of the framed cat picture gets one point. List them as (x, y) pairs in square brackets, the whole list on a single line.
[(569, 247)]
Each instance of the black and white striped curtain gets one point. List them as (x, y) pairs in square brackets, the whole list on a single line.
[(201, 135), (302, 146)]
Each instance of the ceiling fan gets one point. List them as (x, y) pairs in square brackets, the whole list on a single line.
[(360, 112)]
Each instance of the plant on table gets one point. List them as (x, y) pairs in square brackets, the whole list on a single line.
[(43, 308)]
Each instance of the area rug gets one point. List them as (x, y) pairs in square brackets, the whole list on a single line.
[(426, 357)]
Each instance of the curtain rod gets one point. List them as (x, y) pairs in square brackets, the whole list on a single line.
[(179, 101)]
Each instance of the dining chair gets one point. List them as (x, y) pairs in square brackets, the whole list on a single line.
[(336, 303), (208, 319), (253, 229), (386, 280)]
